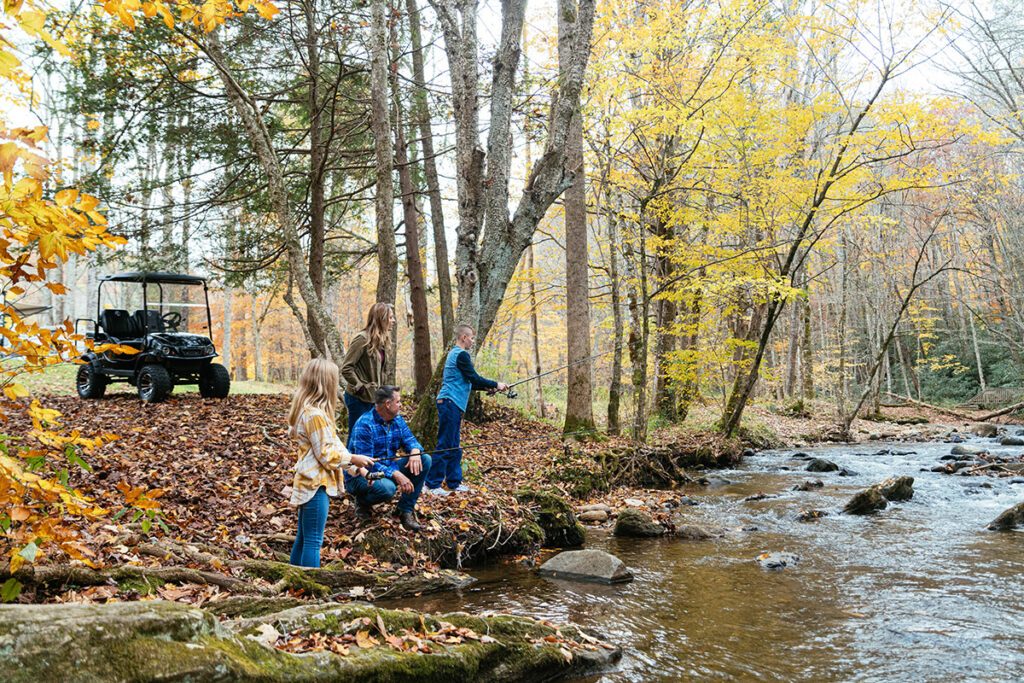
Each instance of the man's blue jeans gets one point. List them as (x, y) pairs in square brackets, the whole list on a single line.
[(312, 520), (356, 408), (380, 490), (448, 457)]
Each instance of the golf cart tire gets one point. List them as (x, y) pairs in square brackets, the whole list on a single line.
[(90, 384), (215, 382), (154, 383)]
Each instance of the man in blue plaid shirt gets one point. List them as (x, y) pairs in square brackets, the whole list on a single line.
[(379, 433)]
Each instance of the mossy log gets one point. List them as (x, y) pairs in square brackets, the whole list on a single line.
[(156, 640), (316, 583)]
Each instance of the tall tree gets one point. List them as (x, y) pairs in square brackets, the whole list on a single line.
[(579, 410)]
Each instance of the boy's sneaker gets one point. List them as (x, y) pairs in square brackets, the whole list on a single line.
[(462, 489), (439, 492)]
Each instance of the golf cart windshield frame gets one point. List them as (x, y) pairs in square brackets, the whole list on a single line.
[(158, 279)]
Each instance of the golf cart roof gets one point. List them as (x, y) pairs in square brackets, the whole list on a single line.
[(171, 278)]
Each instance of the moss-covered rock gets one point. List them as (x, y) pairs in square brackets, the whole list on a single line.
[(555, 516), (633, 523), (156, 640)]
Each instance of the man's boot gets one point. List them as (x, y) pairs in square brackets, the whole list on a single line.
[(408, 520), (364, 513)]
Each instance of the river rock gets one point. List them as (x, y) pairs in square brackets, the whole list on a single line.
[(555, 517), (800, 455), (843, 472), (865, 502), (1012, 441), (777, 560), (809, 484), (634, 503), (593, 516), (900, 488), (1009, 519), (984, 429), (636, 524), (1017, 480), (967, 449), (694, 532), (595, 506), (686, 500), (587, 565), (822, 465), (810, 515)]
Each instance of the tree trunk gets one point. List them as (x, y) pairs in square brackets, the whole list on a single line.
[(615, 386), (535, 332), (317, 156), (421, 363), (579, 408), (387, 257), (259, 136), (444, 278), (225, 351)]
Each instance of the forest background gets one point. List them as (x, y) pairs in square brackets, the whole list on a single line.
[(804, 204)]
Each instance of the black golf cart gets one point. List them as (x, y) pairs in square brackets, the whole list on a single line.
[(168, 352)]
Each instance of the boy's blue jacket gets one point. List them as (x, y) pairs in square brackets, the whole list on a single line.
[(460, 378), (373, 437)]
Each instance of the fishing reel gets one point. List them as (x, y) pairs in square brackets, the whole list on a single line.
[(508, 393)]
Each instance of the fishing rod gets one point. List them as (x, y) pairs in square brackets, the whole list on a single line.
[(492, 443), (512, 394)]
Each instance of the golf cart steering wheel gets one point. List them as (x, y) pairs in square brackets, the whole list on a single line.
[(171, 319)]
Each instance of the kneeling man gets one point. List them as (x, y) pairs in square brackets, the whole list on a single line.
[(379, 433)]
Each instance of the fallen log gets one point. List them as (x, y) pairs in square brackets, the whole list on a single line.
[(1010, 409), (939, 409), (65, 574)]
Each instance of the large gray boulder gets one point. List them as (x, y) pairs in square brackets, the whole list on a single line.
[(586, 565), (162, 641), (636, 524), (822, 465), (967, 449), (1012, 441), (985, 429), (1009, 519)]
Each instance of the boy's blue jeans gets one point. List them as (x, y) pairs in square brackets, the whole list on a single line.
[(380, 490), (312, 520), (448, 457), (356, 408)]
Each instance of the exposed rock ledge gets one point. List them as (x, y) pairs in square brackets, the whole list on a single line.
[(158, 640)]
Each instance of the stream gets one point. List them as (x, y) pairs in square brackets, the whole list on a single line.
[(919, 591)]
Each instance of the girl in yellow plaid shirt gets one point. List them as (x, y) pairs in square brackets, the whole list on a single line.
[(321, 456)]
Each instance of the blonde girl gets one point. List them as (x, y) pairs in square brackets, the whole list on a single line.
[(321, 456), (365, 364)]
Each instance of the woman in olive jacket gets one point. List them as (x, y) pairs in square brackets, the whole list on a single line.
[(365, 364)]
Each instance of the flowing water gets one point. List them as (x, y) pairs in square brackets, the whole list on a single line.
[(919, 591)]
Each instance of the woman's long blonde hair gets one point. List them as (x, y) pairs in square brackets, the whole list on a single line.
[(377, 326), (318, 388)]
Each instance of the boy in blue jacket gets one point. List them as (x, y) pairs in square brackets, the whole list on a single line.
[(460, 378)]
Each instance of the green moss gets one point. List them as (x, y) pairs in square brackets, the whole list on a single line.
[(146, 585), (296, 579), (530, 533), (555, 517)]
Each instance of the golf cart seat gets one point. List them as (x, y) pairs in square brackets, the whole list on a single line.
[(119, 326), (139, 319)]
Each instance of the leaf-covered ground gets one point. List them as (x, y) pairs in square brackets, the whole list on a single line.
[(224, 466)]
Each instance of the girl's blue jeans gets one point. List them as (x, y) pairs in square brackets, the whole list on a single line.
[(312, 520), (356, 408)]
